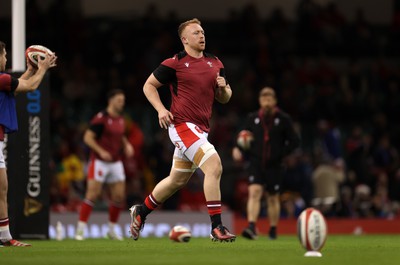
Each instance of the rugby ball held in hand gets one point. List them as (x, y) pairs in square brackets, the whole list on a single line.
[(33, 52), (244, 139), (312, 229), (180, 233)]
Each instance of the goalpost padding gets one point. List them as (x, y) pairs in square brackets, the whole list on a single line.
[(27, 156)]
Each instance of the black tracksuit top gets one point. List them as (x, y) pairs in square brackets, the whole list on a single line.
[(274, 138)]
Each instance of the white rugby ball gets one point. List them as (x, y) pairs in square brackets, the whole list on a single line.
[(312, 229), (244, 139), (33, 52), (180, 233)]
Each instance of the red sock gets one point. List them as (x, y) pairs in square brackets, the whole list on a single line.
[(4, 230), (113, 212), (151, 202), (86, 210), (4, 222), (214, 207)]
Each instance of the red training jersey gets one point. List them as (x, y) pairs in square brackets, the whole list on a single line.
[(109, 133), (8, 84), (192, 83)]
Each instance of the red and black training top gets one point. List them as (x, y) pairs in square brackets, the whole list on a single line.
[(109, 133), (192, 83)]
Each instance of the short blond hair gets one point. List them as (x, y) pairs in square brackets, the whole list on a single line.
[(185, 24)]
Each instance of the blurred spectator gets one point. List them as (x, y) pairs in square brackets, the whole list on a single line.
[(381, 206), (69, 173), (327, 178), (358, 149), (331, 24), (361, 35), (307, 31), (362, 201), (297, 185), (386, 157), (345, 207), (327, 146)]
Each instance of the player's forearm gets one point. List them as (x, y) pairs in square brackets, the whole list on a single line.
[(37, 78), (28, 73), (89, 141), (31, 83), (223, 95), (153, 97), (125, 142), (95, 147)]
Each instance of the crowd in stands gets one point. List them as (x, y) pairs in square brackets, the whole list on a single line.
[(338, 78)]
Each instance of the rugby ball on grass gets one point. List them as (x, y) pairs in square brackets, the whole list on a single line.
[(33, 52), (180, 233), (312, 229), (244, 139)]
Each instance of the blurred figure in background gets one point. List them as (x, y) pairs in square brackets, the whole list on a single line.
[(106, 139), (274, 138), (327, 145), (326, 179), (362, 202), (297, 190)]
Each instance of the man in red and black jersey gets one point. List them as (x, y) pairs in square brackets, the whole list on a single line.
[(195, 79), (108, 143), (274, 138), (9, 87)]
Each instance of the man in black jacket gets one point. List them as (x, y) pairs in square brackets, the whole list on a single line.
[(274, 138)]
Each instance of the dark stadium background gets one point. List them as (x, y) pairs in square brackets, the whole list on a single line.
[(334, 64)]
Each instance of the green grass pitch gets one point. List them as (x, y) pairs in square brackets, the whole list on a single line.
[(352, 250)]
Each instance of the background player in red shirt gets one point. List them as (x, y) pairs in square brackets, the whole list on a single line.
[(106, 139), (195, 79), (9, 87)]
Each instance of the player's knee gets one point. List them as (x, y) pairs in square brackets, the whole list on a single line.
[(214, 172), (180, 183), (218, 170), (273, 197), (179, 180), (255, 194), (92, 195), (118, 198), (3, 192)]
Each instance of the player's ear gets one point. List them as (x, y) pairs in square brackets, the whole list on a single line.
[(184, 40)]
